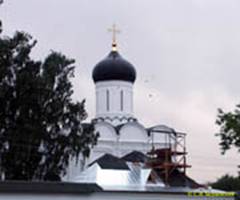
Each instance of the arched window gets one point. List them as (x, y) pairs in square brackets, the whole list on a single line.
[(108, 101), (121, 100)]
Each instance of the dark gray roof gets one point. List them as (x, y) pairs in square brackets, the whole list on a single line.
[(24, 187), (178, 179), (135, 156), (47, 187), (108, 161)]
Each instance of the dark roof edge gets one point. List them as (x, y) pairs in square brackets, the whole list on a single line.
[(73, 188), (48, 187), (163, 191)]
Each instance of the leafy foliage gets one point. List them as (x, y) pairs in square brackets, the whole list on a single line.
[(229, 129), (227, 183), (40, 125)]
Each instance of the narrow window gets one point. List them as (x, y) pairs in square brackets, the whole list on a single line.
[(121, 100), (107, 95)]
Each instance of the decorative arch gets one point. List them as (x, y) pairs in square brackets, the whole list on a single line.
[(106, 131), (133, 131)]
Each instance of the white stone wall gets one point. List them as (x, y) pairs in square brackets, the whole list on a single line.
[(132, 136), (114, 106), (133, 132)]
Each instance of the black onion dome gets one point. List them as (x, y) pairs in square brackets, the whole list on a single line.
[(114, 67)]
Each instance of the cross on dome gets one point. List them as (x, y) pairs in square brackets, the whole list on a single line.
[(114, 31)]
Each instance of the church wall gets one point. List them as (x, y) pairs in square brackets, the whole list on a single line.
[(106, 131), (114, 99), (133, 131)]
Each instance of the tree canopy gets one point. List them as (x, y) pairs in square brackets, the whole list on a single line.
[(229, 133), (40, 124), (227, 183)]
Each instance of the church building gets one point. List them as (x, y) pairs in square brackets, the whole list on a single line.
[(123, 140), (130, 156), (119, 129)]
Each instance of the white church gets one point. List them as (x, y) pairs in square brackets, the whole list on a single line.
[(159, 150)]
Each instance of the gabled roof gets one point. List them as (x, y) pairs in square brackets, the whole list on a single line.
[(135, 156), (178, 179), (108, 161)]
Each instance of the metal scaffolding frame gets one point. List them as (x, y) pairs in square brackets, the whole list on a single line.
[(172, 154)]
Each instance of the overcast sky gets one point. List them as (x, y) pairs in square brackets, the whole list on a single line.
[(186, 53)]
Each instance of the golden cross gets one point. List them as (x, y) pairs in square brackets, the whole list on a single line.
[(114, 31)]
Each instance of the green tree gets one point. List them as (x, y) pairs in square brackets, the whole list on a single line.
[(227, 183), (40, 124), (229, 133)]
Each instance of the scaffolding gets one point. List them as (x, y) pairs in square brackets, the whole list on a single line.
[(169, 154)]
